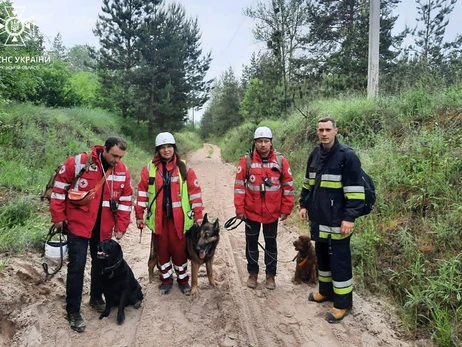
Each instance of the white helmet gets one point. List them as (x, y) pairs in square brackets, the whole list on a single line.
[(165, 139), (263, 132)]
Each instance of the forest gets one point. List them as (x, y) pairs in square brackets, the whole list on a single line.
[(149, 71)]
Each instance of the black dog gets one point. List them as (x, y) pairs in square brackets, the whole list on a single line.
[(119, 284)]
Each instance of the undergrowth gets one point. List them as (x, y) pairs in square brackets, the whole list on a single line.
[(408, 249)]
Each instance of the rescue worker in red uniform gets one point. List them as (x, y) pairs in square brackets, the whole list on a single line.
[(263, 194), (106, 214), (333, 195), (169, 190)]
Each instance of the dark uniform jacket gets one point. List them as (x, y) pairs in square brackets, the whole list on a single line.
[(333, 191)]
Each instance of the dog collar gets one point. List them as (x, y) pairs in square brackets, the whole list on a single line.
[(303, 262), (304, 258), (112, 268)]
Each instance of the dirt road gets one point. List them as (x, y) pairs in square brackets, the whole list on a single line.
[(229, 315)]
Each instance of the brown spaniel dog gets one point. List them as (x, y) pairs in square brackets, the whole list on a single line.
[(306, 269)]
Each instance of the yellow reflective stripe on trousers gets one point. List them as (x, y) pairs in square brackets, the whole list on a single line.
[(325, 279), (325, 235), (325, 276), (343, 288)]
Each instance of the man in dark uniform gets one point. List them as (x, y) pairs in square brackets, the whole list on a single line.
[(332, 198)]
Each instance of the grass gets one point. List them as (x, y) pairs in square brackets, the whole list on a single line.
[(407, 249), (33, 141)]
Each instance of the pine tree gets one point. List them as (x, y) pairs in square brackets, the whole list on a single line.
[(429, 42), (338, 40), (264, 68), (118, 29), (223, 107), (58, 49), (281, 23), (172, 69)]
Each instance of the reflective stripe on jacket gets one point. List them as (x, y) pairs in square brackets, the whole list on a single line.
[(186, 195), (259, 201), (184, 204), (332, 191), (81, 219)]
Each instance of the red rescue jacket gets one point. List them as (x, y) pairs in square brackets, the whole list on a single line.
[(258, 201), (194, 191), (81, 219)]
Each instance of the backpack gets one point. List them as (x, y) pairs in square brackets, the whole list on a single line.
[(369, 190), (51, 182), (248, 159)]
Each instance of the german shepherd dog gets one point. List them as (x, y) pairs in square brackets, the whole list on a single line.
[(119, 284), (201, 242), (152, 262), (306, 269)]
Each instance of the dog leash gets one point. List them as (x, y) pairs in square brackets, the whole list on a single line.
[(230, 224)]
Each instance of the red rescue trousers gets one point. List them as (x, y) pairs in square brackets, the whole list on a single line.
[(171, 250)]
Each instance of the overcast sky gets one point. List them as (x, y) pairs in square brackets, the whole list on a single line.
[(226, 32)]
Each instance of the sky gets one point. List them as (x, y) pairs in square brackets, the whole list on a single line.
[(226, 32)]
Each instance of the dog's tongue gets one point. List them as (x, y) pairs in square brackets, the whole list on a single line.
[(202, 254)]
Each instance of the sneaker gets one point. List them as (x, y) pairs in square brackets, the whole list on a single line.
[(252, 281), (76, 321), (270, 284), (165, 288), (335, 315), (98, 304), (185, 288), (317, 297)]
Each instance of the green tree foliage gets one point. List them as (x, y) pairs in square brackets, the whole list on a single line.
[(170, 77), (253, 107), (222, 112), (118, 29), (58, 49), (18, 80), (86, 87), (55, 87), (151, 62), (80, 60), (338, 41), (429, 43), (429, 62), (264, 68), (281, 24)]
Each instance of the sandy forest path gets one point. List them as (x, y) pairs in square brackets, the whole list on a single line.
[(33, 314)]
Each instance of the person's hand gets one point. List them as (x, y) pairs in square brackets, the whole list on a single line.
[(283, 216), (199, 221), (347, 227), (60, 225), (240, 216), (140, 224), (118, 235), (302, 214)]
